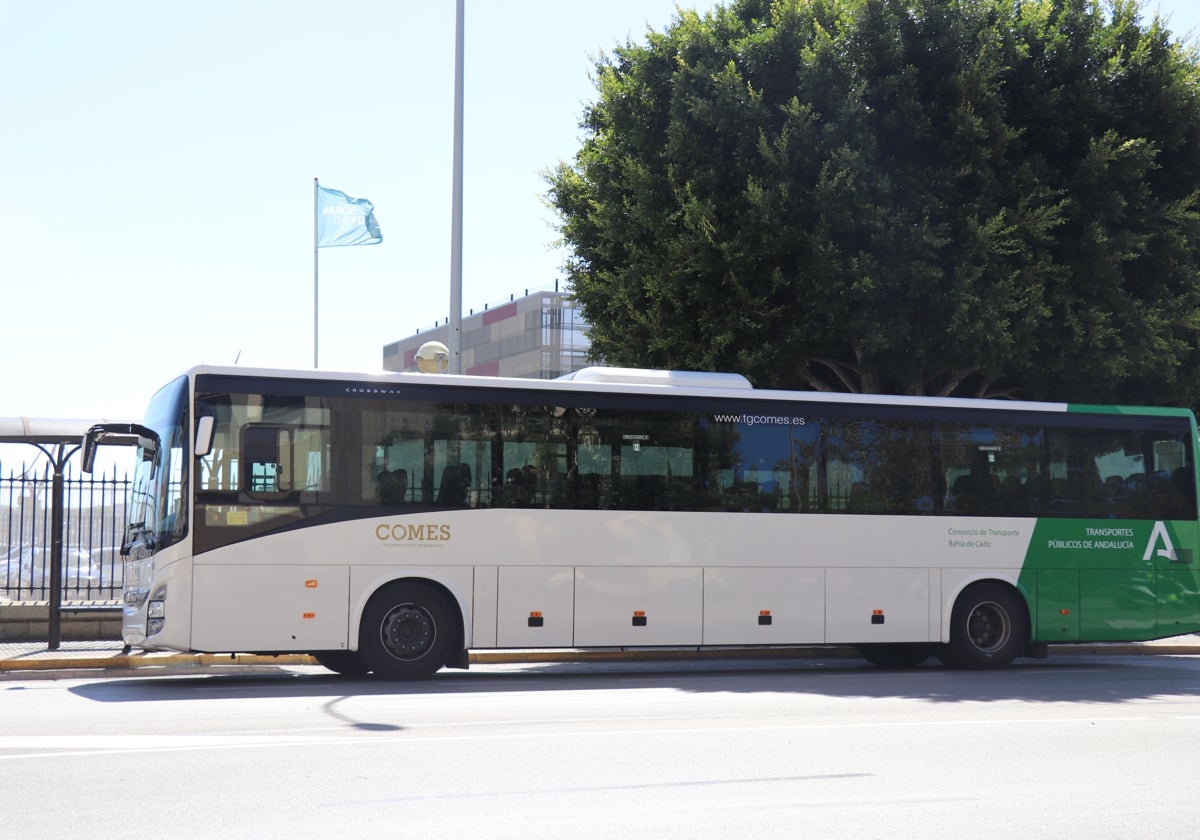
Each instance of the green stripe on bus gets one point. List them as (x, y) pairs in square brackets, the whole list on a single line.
[(1143, 411), (1112, 580)]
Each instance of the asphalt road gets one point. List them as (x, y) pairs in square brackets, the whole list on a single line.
[(1065, 748)]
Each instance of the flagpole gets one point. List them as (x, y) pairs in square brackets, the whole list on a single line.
[(315, 267), (455, 335)]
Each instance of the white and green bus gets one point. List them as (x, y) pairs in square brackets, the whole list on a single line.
[(389, 524)]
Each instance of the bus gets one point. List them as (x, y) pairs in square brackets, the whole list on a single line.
[(388, 524)]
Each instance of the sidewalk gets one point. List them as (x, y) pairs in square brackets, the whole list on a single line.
[(111, 656)]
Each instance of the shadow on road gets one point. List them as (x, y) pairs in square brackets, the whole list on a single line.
[(1111, 680)]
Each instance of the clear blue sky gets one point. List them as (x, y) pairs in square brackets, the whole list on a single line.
[(159, 161)]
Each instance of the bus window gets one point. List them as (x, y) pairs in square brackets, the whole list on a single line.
[(396, 470), (991, 470), (758, 463), (880, 467), (425, 453), (261, 456), (532, 455), (1142, 476), (310, 460), (651, 459), (1171, 460), (286, 460)]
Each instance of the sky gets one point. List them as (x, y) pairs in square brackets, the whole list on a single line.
[(158, 177)]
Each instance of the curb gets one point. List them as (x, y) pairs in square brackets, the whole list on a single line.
[(135, 661), (148, 661), (145, 661), (1125, 649)]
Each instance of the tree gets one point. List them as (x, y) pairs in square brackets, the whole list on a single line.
[(968, 197)]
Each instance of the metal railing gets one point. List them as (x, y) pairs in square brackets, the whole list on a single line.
[(93, 524)]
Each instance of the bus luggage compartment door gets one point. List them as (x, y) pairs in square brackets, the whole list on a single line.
[(535, 606), (764, 606), (865, 606), (632, 606), (269, 608)]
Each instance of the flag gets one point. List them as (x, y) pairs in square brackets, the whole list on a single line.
[(342, 220)]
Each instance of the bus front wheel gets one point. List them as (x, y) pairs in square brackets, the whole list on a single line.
[(988, 628), (407, 631)]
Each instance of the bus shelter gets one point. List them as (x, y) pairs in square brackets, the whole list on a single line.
[(58, 440)]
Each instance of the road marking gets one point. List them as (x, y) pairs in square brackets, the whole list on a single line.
[(614, 788), (41, 746)]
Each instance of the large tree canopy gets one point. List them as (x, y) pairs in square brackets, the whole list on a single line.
[(970, 197)]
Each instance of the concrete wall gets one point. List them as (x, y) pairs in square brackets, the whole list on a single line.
[(30, 622)]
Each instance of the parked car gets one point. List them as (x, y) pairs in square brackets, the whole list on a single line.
[(25, 567)]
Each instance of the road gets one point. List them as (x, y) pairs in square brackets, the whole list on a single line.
[(1062, 748)]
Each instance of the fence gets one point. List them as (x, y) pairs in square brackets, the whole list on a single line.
[(93, 526)]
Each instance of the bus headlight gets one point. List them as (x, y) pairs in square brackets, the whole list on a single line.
[(156, 616)]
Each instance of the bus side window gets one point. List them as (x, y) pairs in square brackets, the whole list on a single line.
[(262, 459), (306, 453), (393, 486), (1172, 461)]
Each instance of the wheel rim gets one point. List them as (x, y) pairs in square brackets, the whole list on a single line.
[(988, 627), (407, 631)]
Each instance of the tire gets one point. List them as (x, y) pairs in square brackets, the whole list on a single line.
[(408, 631), (895, 655), (989, 627), (344, 662)]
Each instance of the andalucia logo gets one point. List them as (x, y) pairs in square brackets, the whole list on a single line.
[(1157, 536)]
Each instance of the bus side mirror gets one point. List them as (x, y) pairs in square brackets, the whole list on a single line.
[(88, 458), (117, 434), (204, 435)]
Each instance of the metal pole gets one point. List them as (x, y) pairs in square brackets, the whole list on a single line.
[(455, 336), (315, 264), (54, 640)]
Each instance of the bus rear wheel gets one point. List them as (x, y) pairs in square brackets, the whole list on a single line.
[(988, 628), (407, 632)]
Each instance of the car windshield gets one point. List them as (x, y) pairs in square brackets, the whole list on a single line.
[(158, 509)]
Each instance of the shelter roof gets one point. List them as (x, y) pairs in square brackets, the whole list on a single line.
[(44, 430)]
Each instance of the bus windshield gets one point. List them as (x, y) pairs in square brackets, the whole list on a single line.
[(158, 509)]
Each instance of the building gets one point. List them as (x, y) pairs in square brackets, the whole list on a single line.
[(539, 336)]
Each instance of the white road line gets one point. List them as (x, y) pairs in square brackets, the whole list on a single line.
[(41, 746)]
